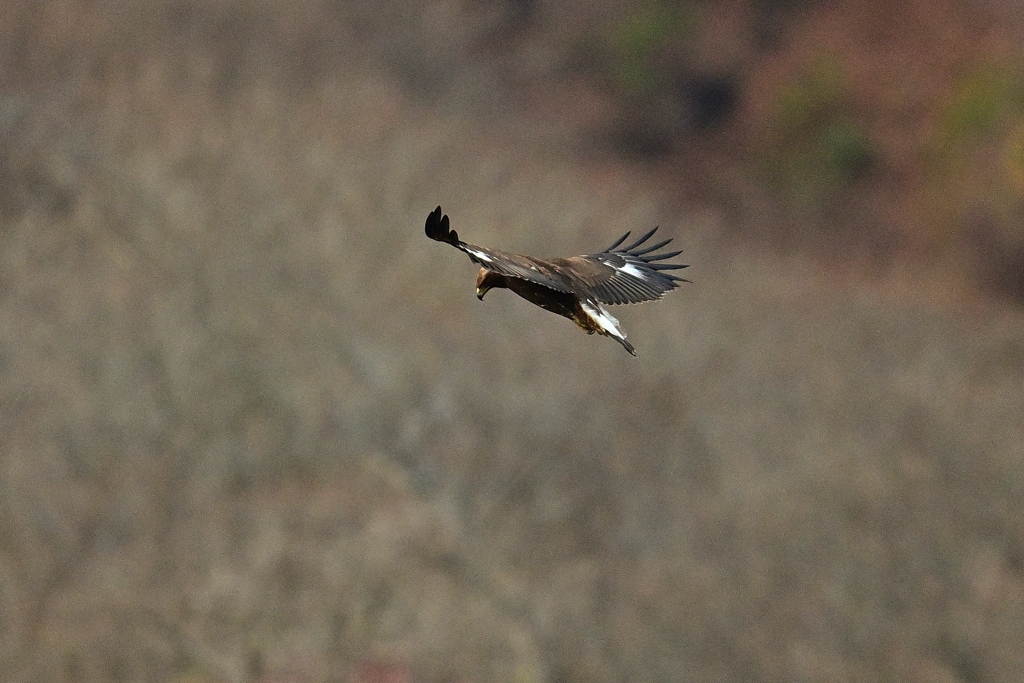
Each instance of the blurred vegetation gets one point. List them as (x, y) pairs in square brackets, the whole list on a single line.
[(815, 147), (255, 427), (646, 59), (983, 116), (900, 144), (979, 102), (640, 43)]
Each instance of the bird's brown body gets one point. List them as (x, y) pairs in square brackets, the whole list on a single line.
[(574, 287), (565, 305)]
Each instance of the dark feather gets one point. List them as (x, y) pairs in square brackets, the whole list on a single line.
[(662, 257), (437, 228), (616, 243), (640, 241), (647, 250)]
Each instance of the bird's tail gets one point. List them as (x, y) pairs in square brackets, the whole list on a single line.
[(625, 344), (437, 228), (601, 321)]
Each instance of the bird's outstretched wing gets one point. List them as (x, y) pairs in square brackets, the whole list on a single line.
[(625, 275), (519, 266)]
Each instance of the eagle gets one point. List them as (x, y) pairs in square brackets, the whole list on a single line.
[(577, 287)]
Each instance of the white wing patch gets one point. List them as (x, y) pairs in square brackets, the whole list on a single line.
[(633, 271), (606, 320), (479, 254)]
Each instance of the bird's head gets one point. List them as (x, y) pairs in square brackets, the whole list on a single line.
[(487, 280)]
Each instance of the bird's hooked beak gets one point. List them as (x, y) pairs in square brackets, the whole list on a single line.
[(480, 291)]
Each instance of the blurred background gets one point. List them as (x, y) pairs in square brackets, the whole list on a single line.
[(254, 426)]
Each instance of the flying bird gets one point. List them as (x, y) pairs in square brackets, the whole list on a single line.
[(577, 287)]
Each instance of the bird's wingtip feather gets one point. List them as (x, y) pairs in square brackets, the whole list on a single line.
[(640, 241), (438, 228), (617, 242)]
